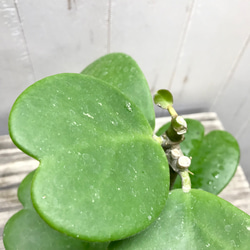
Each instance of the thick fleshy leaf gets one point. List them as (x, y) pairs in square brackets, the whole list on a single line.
[(122, 72), (101, 176), (26, 230), (163, 98), (215, 157), (194, 220)]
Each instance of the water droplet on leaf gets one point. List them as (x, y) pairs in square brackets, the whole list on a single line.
[(228, 228)]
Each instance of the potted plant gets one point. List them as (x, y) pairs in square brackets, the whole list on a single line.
[(106, 181)]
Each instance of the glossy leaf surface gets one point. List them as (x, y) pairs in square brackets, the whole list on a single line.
[(194, 220), (101, 175), (122, 72), (163, 98), (215, 157), (26, 230)]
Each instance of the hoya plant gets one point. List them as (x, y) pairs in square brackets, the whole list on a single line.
[(106, 180)]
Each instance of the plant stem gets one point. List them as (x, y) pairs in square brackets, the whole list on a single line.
[(172, 111), (173, 176), (186, 182), (173, 136)]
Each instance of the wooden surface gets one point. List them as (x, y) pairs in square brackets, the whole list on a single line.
[(15, 165)]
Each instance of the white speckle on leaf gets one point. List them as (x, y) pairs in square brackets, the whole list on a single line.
[(100, 103), (128, 106), (44, 197), (248, 228), (135, 170), (97, 195), (149, 217), (88, 115), (114, 123), (208, 245), (118, 189)]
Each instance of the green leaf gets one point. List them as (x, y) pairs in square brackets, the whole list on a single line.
[(215, 157), (26, 230), (194, 220), (215, 161), (122, 72), (163, 98), (101, 175)]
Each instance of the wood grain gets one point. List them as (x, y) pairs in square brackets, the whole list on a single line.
[(15, 165)]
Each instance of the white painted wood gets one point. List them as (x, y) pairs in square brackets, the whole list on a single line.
[(151, 32), (61, 39), (217, 32), (16, 72), (233, 99)]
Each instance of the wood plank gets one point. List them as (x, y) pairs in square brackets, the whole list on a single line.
[(63, 37), (210, 51), (156, 28), (15, 165), (16, 72)]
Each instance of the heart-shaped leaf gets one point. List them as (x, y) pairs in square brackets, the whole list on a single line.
[(163, 98), (26, 230), (122, 72), (101, 175), (215, 157), (194, 220)]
